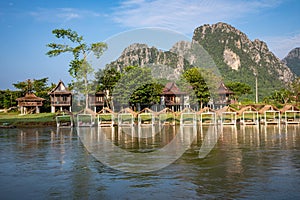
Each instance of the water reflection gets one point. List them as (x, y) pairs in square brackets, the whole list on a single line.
[(141, 153), (245, 162)]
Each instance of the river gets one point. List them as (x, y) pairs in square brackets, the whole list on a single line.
[(239, 163)]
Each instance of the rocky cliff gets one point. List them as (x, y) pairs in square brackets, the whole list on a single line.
[(235, 55), (239, 58), (292, 60)]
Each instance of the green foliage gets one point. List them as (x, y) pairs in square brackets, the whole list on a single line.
[(79, 66), (215, 41), (239, 89), (195, 79), (147, 94), (294, 65), (292, 60), (295, 89), (37, 86), (8, 97), (282, 96), (106, 79), (136, 85)]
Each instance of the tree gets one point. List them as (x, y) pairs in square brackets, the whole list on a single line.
[(32, 86), (194, 77), (106, 79), (282, 96), (148, 94), (37, 86), (136, 85), (239, 89), (79, 69), (7, 98), (295, 89)]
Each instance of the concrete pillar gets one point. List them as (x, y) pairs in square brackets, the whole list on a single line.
[(37, 109), (53, 109)]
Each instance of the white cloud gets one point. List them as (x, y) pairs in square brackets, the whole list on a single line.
[(282, 45), (61, 14), (184, 15)]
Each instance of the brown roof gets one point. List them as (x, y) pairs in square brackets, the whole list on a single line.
[(289, 107), (30, 97), (187, 110), (172, 88), (223, 89), (60, 89), (146, 110), (165, 110), (128, 110), (246, 108), (205, 109), (106, 110), (225, 109), (87, 111), (267, 108)]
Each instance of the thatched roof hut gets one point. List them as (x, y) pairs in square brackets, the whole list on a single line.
[(246, 108), (128, 110), (289, 107), (268, 108)]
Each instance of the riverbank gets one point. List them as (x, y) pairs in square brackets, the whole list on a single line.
[(15, 120)]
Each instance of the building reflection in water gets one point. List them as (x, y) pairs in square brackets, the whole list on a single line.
[(249, 134), (152, 149), (133, 148), (210, 136), (229, 134)]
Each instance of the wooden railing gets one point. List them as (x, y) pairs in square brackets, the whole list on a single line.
[(60, 103), (30, 104)]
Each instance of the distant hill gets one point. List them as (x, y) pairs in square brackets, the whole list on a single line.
[(236, 56), (292, 60)]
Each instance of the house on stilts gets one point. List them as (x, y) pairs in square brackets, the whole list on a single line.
[(173, 98), (61, 98), (30, 103)]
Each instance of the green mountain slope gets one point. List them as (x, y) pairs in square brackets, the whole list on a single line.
[(235, 55), (239, 59), (292, 60)]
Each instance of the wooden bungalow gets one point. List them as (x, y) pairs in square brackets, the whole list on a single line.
[(30, 103), (61, 98), (291, 114), (172, 97), (96, 101), (224, 96), (271, 115)]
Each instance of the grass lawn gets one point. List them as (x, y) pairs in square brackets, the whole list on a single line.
[(41, 119)]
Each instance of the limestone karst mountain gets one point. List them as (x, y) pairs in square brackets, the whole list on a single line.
[(236, 57), (292, 60)]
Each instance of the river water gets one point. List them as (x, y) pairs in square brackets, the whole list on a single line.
[(245, 163)]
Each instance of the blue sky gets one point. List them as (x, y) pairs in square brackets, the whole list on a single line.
[(26, 26)]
